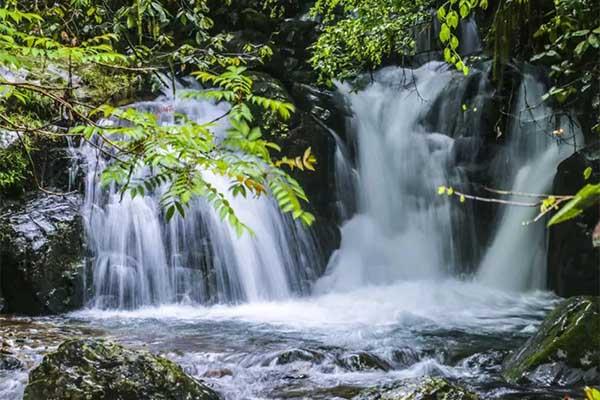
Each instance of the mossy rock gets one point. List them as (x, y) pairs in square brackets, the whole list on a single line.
[(567, 340), (426, 389), (100, 370)]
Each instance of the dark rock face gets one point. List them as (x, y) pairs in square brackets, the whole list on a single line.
[(565, 350), (316, 112), (98, 370), (428, 388), (573, 261), (41, 255)]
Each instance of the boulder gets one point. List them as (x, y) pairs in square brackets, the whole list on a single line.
[(573, 261), (41, 255), (98, 370), (363, 361), (9, 363), (428, 388), (565, 350), (294, 355)]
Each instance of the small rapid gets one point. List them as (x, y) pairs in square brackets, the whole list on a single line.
[(332, 345)]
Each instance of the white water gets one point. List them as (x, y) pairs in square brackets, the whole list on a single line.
[(516, 259), (402, 228), (139, 260), (418, 328)]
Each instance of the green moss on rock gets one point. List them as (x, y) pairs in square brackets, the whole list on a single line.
[(100, 370), (570, 335)]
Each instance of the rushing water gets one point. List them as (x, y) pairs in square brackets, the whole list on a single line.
[(139, 260), (390, 305), (331, 346), (402, 229), (516, 260)]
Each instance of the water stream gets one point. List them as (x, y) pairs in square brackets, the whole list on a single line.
[(250, 315)]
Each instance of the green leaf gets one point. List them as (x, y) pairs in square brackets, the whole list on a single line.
[(170, 213), (581, 47), (588, 196), (444, 33), (441, 13), (587, 173), (454, 42)]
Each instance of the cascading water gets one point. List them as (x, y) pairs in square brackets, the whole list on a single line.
[(402, 228), (418, 321), (516, 259), (139, 260)]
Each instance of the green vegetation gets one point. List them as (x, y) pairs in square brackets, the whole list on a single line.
[(359, 35), (180, 155)]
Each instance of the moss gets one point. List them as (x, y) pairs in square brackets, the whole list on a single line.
[(105, 85), (14, 170), (95, 370), (570, 334)]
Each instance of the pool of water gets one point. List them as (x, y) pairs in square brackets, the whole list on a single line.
[(322, 347)]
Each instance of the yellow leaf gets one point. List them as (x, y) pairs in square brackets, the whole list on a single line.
[(591, 393)]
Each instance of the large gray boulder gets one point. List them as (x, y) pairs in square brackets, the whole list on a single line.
[(565, 350), (99, 370), (41, 255)]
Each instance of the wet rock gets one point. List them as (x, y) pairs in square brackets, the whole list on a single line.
[(427, 389), (95, 370), (218, 373), (488, 361), (10, 363), (566, 348), (309, 126), (294, 355), (362, 361), (573, 267), (405, 357), (41, 255)]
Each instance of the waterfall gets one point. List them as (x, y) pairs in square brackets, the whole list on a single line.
[(137, 259), (516, 259), (402, 229)]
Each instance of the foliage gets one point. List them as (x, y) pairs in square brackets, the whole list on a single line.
[(178, 159), (359, 34), (572, 47), (592, 393), (13, 169), (449, 15), (183, 156), (587, 196)]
